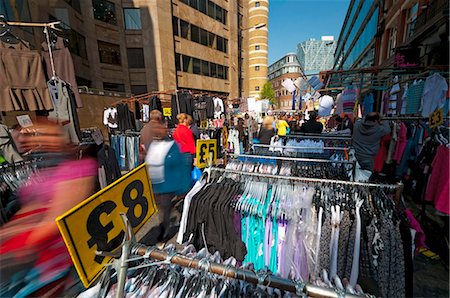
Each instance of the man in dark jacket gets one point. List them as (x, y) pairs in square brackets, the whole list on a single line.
[(367, 134), (312, 126)]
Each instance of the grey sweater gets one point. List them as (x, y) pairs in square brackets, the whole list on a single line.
[(367, 136)]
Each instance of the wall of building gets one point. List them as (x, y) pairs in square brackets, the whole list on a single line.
[(258, 13)]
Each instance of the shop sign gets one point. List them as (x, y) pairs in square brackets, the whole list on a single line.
[(205, 148), (167, 112), (96, 225), (436, 118), (406, 57)]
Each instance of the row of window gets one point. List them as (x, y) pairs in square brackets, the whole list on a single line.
[(209, 8), (199, 35), (201, 67)]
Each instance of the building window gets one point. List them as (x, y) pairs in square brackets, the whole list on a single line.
[(75, 4), (178, 61), (256, 88), (77, 44), (187, 64), (194, 4), (204, 68), (196, 66), (203, 37), (411, 20), (392, 42), (203, 6), (113, 87), (184, 29), (135, 58), (109, 53), (257, 67), (257, 47), (138, 89), (257, 4), (195, 33), (175, 28), (83, 82), (132, 18), (213, 70), (211, 39), (105, 11)]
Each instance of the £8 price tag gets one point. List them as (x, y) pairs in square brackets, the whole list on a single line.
[(95, 224)]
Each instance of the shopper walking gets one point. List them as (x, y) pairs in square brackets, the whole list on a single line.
[(183, 135), (312, 125), (367, 134), (282, 126), (266, 132), (154, 129)]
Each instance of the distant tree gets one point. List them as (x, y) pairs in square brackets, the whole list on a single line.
[(268, 93)]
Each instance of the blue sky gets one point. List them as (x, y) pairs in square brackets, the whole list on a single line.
[(293, 21)]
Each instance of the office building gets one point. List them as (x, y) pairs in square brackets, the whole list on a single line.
[(258, 16), (316, 55), (356, 44), (287, 67), (135, 46)]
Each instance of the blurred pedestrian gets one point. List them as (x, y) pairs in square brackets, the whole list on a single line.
[(183, 135), (266, 132), (154, 129), (32, 252)]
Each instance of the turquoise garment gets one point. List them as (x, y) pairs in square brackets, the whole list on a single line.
[(273, 254)]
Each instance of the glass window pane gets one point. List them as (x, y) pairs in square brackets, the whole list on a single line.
[(211, 39), (204, 37), (105, 11), (113, 87), (213, 70), (187, 64), (138, 89), (212, 9), (219, 43), (194, 3), (109, 53), (196, 65), (225, 45), (178, 62), (136, 58), (219, 13), (205, 68), (175, 26), (220, 73), (195, 33), (225, 72), (77, 43), (202, 5), (132, 18), (225, 15), (184, 27)]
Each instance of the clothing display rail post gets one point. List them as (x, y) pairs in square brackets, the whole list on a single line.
[(300, 148)]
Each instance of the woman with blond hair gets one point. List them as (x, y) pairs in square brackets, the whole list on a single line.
[(183, 135)]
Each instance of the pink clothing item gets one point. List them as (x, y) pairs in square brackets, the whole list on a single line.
[(419, 240), (42, 184), (402, 141), (438, 184)]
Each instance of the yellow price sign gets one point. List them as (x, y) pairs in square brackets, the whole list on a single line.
[(204, 149), (436, 118), (167, 112), (204, 124), (96, 225)]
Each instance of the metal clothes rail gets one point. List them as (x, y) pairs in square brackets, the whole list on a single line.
[(306, 179), (302, 148), (321, 136), (241, 274), (295, 159)]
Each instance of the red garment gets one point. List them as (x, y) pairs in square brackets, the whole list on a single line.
[(185, 139), (438, 185), (402, 141), (381, 157)]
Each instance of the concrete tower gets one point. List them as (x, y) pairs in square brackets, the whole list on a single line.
[(258, 18)]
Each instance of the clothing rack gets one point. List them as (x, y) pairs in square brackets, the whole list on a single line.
[(241, 274), (20, 163), (130, 247), (401, 118), (306, 148), (51, 25)]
